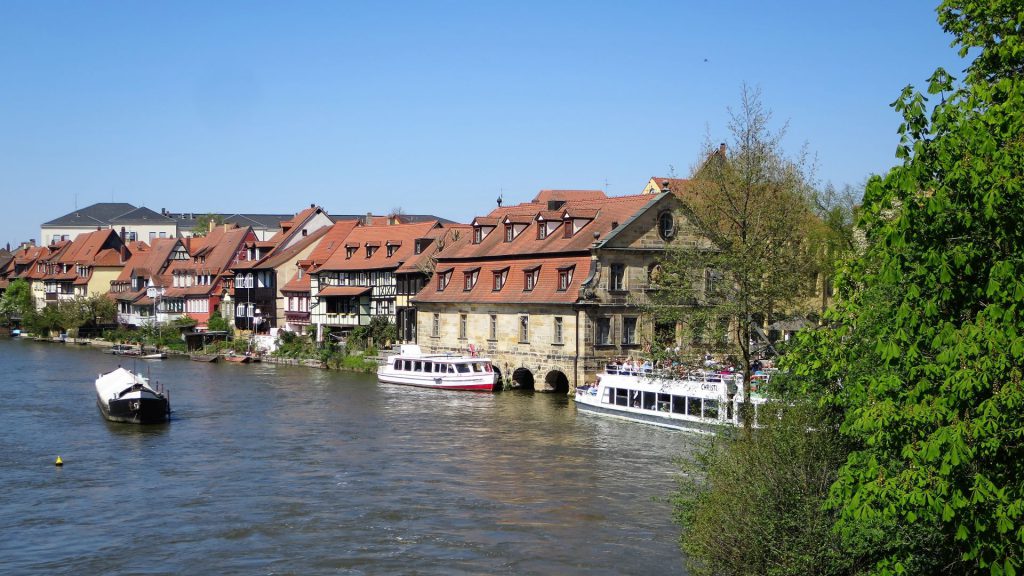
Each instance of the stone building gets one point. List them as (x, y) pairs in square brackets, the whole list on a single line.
[(549, 289)]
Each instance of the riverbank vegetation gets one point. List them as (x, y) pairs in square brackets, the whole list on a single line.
[(898, 450)]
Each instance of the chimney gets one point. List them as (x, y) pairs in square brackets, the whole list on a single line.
[(311, 205), (664, 186), (721, 149), (210, 226), (369, 218), (123, 235), (124, 253)]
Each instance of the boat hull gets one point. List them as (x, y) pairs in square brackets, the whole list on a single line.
[(653, 419), (204, 357), (135, 410), (437, 383)]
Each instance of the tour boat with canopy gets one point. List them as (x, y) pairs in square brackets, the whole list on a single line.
[(411, 367), (698, 401)]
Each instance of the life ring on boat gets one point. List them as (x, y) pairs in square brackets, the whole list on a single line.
[(135, 405)]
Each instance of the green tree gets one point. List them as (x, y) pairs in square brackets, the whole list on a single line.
[(754, 206), (16, 301), (218, 323), (936, 301), (204, 222)]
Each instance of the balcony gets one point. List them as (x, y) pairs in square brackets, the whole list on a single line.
[(296, 317)]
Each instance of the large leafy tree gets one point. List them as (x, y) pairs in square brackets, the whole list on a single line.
[(753, 203), (16, 301), (924, 358)]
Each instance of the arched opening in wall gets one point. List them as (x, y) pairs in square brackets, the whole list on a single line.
[(556, 381), (500, 378), (522, 379)]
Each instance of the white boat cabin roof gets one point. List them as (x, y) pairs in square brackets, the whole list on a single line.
[(117, 381)]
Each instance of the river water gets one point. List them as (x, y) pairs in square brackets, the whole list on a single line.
[(269, 469)]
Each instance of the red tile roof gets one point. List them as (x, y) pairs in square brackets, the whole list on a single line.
[(332, 241), (148, 261), (513, 291), (344, 290), (598, 213), (379, 260)]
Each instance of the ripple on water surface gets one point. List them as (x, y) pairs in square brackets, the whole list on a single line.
[(286, 470)]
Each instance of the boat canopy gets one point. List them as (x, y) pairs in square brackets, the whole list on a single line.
[(112, 384)]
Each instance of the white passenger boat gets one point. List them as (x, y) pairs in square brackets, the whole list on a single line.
[(698, 401), (411, 367), (124, 396)]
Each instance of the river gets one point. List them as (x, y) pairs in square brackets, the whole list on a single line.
[(268, 469)]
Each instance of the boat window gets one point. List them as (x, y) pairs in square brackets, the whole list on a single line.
[(620, 397), (462, 368), (487, 367), (664, 402), (649, 400), (693, 406), (679, 405), (634, 398), (428, 366), (417, 366), (606, 397), (477, 367), (711, 409)]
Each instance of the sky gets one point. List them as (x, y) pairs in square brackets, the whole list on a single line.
[(431, 107)]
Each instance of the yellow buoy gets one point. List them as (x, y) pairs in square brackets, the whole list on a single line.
[(59, 462)]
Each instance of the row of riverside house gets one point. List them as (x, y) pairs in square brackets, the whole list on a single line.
[(549, 289)]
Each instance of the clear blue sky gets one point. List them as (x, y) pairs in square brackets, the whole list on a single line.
[(429, 106)]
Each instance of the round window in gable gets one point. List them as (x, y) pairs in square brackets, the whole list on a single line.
[(666, 226)]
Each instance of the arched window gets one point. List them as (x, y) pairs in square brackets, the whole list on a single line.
[(666, 226)]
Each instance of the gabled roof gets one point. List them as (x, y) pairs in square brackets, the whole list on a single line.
[(602, 215), (682, 188), (443, 241), (276, 259), (149, 261), (218, 248), (332, 241), (99, 214), (141, 215), (379, 260), (97, 248), (545, 196)]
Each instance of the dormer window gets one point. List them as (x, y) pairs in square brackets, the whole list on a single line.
[(442, 280), (565, 278), (568, 228), (349, 252), (530, 277), (542, 230), (499, 279), (370, 249), (478, 234), (392, 248), (469, 278), (510, 233)]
